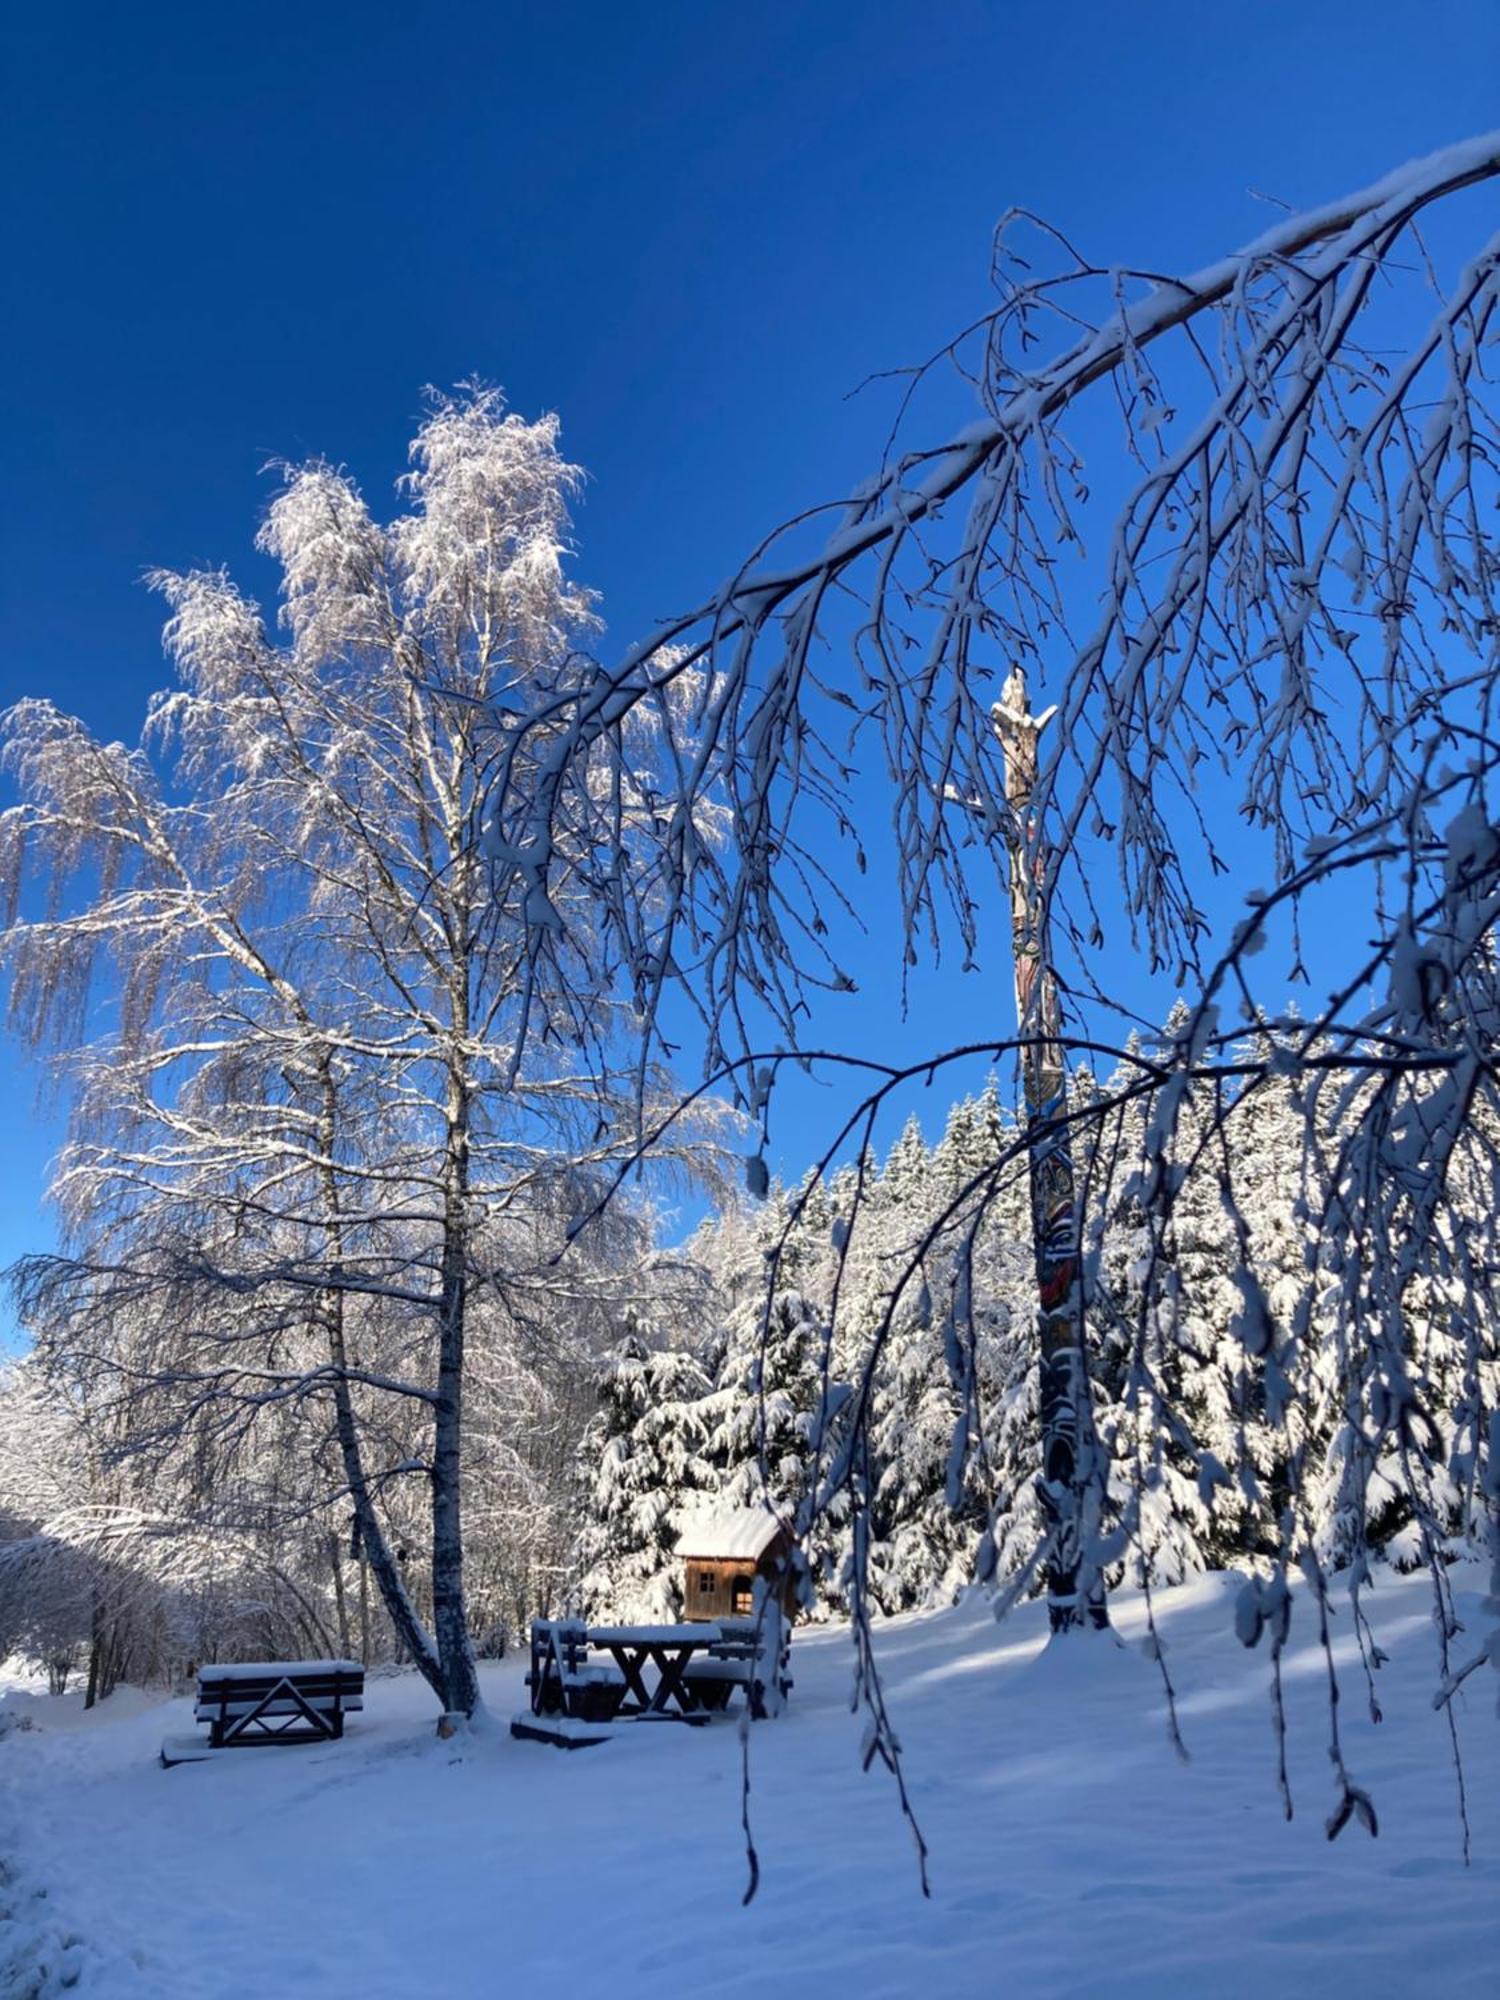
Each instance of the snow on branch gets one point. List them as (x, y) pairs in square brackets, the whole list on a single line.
[(1267, 617)]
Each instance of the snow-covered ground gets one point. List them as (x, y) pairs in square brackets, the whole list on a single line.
[(1072, 1854)]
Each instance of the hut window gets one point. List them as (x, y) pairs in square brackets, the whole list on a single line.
[(742, 1594), (705, 1583)]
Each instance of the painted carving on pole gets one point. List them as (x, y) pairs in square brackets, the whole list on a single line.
[(1069, 1457)]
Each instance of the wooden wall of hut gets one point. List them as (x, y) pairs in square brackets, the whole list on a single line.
[(719, 1588), (724, 1586)]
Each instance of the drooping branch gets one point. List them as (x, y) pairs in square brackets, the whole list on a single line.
[(1217, 598)]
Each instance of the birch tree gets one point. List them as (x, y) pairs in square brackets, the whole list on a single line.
[(285, 994)]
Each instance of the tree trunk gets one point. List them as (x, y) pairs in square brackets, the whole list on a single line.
[(1071, 1481), (340, 1595), (410, 1631), (449, 1611), (364, 1609), (91, 1690), (104, 1658)]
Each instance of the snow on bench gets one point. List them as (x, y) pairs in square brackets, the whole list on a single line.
[(246, 1702)]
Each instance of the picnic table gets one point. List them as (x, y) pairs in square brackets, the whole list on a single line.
[(597, 1673)]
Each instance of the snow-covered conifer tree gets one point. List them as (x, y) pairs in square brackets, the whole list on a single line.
[(644, 1458)]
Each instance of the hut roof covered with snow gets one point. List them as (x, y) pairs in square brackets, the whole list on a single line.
[(728, 1534)]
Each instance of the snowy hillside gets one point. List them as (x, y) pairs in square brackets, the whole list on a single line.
[(1071, 1853)]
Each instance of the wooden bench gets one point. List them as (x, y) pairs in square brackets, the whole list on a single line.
[(564, 1681), (712, 1681), (735, 1661), (278, 1701)]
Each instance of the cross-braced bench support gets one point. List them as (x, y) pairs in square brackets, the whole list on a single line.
[(278, 1701)]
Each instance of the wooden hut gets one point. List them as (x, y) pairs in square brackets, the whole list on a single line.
[(724, 1549)]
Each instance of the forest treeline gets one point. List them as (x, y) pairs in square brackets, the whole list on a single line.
[(731, 1367)]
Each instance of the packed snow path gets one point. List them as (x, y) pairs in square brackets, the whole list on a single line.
[(1072, 1854)]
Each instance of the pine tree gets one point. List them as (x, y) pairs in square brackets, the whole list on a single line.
[(947, 1346), (769, 1425), (643, 1458)]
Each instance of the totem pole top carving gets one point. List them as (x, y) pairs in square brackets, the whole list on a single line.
[(1018, 730)]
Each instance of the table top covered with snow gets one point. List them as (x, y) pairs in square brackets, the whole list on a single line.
[(664, 1635)]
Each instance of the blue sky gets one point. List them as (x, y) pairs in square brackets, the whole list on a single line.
[(234, 233)]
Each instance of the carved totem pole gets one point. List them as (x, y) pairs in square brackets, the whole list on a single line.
[(1071, 1480)]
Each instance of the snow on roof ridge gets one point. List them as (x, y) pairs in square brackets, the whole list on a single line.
[(725, 1534)]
